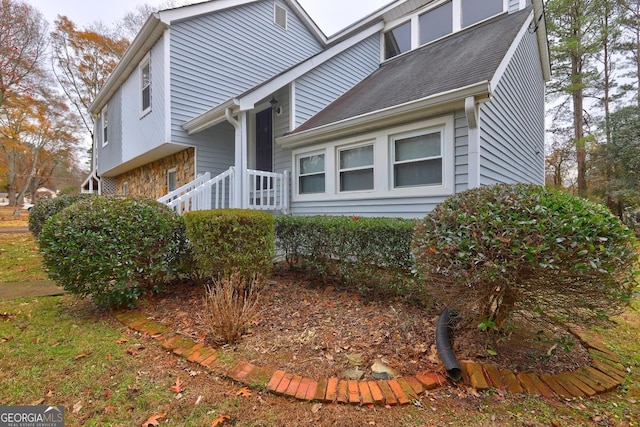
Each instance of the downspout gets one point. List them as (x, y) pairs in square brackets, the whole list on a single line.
[(472, 112), (443, 344), (240, 158)]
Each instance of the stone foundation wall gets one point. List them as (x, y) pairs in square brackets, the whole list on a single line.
[(150, 180)]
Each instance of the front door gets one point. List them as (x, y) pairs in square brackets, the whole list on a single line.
[(264, 144)]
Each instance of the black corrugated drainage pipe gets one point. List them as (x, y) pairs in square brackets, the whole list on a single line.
[(443, 344)]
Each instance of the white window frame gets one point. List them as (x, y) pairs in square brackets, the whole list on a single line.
[(339, 169), (298, 175), (392, 156), (104, 119), (415, 30), (383, 163), (169, 172), (146, 62)]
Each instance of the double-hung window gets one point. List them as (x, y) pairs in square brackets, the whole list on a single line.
[(356, 168), (105, 126), (311, 173), (417, 159), (145, 86)]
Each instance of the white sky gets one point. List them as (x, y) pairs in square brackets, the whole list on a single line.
[(330, 15)]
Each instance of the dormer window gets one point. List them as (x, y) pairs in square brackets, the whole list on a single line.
[(398, 40), (436, 23), (437, 20), (475, 11)]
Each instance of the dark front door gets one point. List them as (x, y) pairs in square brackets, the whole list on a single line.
[(264, 145)]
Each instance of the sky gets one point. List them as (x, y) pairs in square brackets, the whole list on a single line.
[(330, 15)]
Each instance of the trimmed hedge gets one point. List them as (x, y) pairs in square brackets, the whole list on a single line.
[(493, 250), (46, 208), (373, 253), (114, 249), (228, 240)]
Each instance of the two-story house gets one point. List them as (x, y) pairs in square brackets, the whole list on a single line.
[(246, 103)]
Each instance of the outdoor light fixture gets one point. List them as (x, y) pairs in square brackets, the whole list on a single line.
[(274, 105)]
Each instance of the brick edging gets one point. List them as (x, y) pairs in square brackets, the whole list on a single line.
[(605, 373)]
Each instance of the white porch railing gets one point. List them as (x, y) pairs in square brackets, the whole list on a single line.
[(266, 191)]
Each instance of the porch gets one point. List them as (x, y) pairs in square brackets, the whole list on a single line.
[(254, 189)]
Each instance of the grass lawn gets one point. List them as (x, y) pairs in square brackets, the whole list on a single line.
[(62, 351)]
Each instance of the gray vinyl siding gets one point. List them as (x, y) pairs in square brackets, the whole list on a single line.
[(282, 157), (110, 155), (512, 122), (400, 207), (221, 55), (215, 149), (324, 84), (144, 133)]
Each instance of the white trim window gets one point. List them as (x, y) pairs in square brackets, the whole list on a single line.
[(412, 160), (417, 159), (311, 173), (105, 126), (355, 168), (145, 85), (172, 180)]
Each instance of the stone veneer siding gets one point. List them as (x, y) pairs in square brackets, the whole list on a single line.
[(150, 180)]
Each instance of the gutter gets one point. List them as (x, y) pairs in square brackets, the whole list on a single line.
[(408, 111)]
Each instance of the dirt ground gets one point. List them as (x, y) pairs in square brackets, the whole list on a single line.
[(318, 330)]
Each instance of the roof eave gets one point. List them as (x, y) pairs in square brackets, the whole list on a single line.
[(409, 111), (210, 118), (150, 33)]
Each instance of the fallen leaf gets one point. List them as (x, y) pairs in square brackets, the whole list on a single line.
[(6, 339), (50, 393), (177, 387), (81, 356), (220, 420), (77, 407), (122, 341), (37, 402), (244, 392), (315, 408), (198, 400), (109, 409), (107, 393), (133, 351), (153, 420)]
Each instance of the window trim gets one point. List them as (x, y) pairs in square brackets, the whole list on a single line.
[(382, 164), (169, 172), (277, 6), (146, 62), (392, 155), (297, 174), (340, 170), (105, 125), (413, 19)]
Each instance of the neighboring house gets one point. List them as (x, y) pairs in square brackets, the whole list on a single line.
[(246, 103)]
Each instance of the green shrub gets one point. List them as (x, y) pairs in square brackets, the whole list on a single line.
[(228, 240), (114, 249), (373, 253), (490, 251), (46, 208)]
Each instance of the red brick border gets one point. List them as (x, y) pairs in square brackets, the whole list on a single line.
[(605, 373)]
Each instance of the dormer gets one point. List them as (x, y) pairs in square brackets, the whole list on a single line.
[(438, 19)]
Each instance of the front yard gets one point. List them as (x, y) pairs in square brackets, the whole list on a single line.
[(65, 351)]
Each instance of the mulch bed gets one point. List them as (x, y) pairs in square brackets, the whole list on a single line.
[(319, 330)]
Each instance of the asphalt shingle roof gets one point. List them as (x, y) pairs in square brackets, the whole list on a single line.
[(468, 57)]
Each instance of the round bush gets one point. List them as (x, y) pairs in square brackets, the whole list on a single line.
[(113, 249), (46, 208), (490, 251)]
